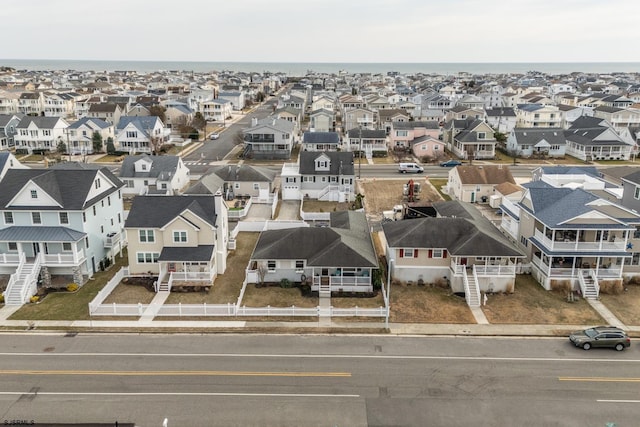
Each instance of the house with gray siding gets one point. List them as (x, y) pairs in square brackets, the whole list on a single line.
[(269, 138), (537, 142), (326, 175)]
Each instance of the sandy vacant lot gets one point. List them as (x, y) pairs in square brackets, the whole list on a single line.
[(382, 194)]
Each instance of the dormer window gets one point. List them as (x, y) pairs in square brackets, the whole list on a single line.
[(143, 166), (97, 183), (34, 194)]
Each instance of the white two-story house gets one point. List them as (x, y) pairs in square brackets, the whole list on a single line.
[(269, 138), (63, 222), (160, 175), (327, 175), (81, 134), (140, 134), (40, 133)]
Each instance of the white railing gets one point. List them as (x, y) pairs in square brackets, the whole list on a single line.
[(457, 269), (578, 245), (7, 259), (192, 276), (276, 311), (74, 258), (596, 285), (196, 310), (495, 270), (111, 240), (30, 284)]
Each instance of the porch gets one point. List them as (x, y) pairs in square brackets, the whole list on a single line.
[(185, 266)]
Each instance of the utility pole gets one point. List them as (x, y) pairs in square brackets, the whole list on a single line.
[(359, 150)]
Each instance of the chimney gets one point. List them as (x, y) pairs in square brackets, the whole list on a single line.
[(221, 231), (254, 121)]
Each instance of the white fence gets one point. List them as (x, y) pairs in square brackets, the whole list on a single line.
[(257, 226), (97, 308)]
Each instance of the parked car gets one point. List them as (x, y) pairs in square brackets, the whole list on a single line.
[(450, 163), (601, 336), (214, 136)]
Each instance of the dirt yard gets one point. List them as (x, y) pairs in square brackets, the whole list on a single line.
[(382, 194)]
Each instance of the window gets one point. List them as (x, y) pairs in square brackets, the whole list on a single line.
[(179, 236), (437, 253), (482, 135), (64, 217), (128, 183), (97, 183), (146, 236), (94, 211), (8, 217), (636, 194), (256, 186), (13, 246), (132, 134), (86, 242), (299, 266), (147, 257), (35, 218), (66, 246), (119, 219), (34, 194), (271, 266), (84, 217), (109, 200), (408, 253)]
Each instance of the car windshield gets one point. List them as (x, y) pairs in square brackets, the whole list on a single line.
[(590, 332)]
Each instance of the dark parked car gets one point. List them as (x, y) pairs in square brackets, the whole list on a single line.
[(601, 336), (450, 163)]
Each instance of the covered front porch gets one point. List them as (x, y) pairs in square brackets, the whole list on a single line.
[(569, 266), (493, 274), (186, 267)]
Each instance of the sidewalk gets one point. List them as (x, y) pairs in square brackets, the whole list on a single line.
[(146, 323)]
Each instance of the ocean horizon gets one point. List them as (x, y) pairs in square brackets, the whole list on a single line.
[(303, 68)]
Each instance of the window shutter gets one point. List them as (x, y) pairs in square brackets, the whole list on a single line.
[(415, 253), (430, 253), (401, 253), (444, 253)]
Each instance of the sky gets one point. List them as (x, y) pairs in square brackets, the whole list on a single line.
[(343, 31)]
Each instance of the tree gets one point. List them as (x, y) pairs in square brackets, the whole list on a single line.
[(198, 121), (111, 148), (262, 272), (159, 111), (96, 140), (61, 148), (260, 97), (155, 143)]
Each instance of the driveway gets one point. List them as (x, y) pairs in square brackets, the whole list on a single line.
[(289, 210)]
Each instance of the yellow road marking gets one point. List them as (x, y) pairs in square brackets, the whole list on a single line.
[(600, 379), (178, 373)]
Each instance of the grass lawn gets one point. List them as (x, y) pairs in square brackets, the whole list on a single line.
[(226, 288), (276, 296), (345, 302), (320, 206), (70, 306), (387, 160), (126, 293), (425, 304), (109, 158), (532, 304), (625, 305), (438, 184)]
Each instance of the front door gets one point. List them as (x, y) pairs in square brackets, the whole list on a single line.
[(36, 248)]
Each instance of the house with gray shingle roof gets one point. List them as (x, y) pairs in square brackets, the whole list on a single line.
[(180, 239), (80, 135), (159, 175), (592, 138), (320, 141), (140, 134), (538, 142), (322, 120), (58, 222), (470, 139), (457, 246), (269, 138), (326, 175), (337, 258), (572, 236), (40, 133)]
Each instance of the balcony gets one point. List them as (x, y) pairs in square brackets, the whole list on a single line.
[(10, 259), (112, 240), (572, 246)]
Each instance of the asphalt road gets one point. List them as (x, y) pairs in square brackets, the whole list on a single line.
[(226, 380)]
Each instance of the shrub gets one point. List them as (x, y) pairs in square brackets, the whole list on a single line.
[(441, 283), (285, 283), (1, 299), (20, 151), (34, 299), (72, 287)]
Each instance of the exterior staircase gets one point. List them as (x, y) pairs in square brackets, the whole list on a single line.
[(471, 289), (324, 288), (589, 284), (23, 283)]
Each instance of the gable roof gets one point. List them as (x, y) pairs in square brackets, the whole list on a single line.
[(464, 233), (484, 174), (142, 123), (340, 163), (346, 243), (99, 123), (162, 167), (158, 211), (40, 121), (68, 187), (531, 136), (320, 138)]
